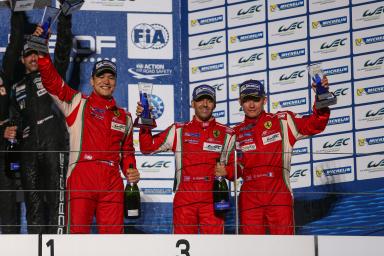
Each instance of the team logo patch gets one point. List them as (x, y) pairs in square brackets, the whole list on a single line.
[(116, 112), (118, 127), (212, 147), (271, 138), (248, 147), (216, 133), (268, 125)]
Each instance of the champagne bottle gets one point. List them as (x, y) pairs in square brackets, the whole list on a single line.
[(131, 200), (12, 163), (220, 194)]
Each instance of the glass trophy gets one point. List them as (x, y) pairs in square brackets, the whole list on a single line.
[(70, 6), (39, 43), (21, 5), (145, 120), (324, 97)]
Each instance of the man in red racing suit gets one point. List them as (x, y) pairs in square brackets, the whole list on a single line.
[(203, 149), (100, 142), (265, 142)]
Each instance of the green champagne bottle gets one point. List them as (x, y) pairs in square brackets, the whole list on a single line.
[(220, 194), (132, 200)]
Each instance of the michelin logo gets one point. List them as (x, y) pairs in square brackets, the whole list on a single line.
[(329, 22), (300, 151), (246, 37), (286, 6), (208, 68), (218, 114), (157, 191), (334, 171), (208, 20), (336, 71), (289, 103), (369, 40), (370, 90), (288, 54), (339, 120), (371, 141)]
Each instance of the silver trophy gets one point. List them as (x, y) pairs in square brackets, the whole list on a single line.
[(324, 97), (70, 6), (145, 120), (39, 43)]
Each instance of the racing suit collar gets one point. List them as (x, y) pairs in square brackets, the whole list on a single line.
[(204, 125), (248, 120), (99, 101)]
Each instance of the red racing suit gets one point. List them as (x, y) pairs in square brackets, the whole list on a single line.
[(197, 146), (100, 141), (265, 147)]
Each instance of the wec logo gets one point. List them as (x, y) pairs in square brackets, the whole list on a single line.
[(337, 143), (341, 92), (377, 11), (150, 36), (158, 164), (370, 63), (372, 164), (212, 41), (333, 44), (293, 26), (252, 58), (250, 10), (371, 113), (299, 173), (294, 75)]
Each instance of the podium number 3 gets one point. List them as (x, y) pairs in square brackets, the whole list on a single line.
[(186, 244)]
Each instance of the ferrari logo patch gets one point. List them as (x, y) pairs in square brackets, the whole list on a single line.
[(268, 125), (216, 133)]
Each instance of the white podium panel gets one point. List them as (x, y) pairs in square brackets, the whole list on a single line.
[(168, 245)]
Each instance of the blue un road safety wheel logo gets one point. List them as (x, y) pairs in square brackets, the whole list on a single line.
[(158, 106), (150, 36)]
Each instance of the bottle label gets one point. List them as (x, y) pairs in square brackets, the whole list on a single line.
[(133, 213), (14, 166), (221, 206)]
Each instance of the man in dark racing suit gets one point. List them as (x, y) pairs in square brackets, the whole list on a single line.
[(44, 138), (8, 210)]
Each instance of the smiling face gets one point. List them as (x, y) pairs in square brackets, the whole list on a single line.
[(104, 84), (30, 62), (253, 106), (203, 107)]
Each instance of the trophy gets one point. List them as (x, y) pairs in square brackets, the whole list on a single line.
[(324, 98), (39, 43), (70, 6), (145, 120)]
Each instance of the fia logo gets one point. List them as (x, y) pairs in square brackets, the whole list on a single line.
[(150, 36)]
